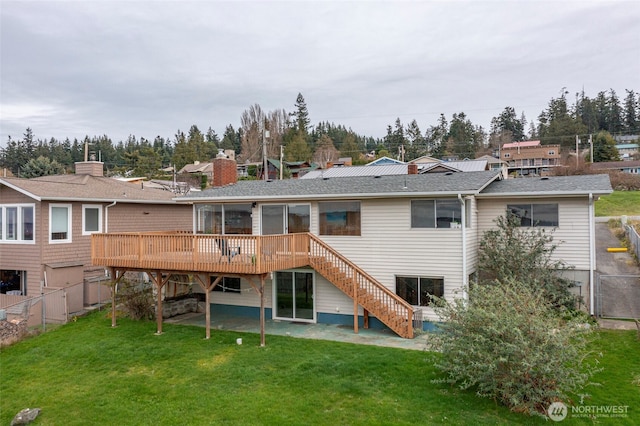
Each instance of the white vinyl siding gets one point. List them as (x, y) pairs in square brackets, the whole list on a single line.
[(571, 236)]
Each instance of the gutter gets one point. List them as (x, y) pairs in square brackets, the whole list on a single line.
[(106, 216)]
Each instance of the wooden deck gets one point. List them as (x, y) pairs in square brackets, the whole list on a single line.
[(251, 257), (230, 254)]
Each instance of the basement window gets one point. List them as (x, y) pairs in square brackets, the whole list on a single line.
[(417, 290)]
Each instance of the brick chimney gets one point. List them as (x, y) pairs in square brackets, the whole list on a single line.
[(412, 169), (91, 168), (224, 170)]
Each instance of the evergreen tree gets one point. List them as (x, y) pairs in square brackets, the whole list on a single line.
[(183, 153), (41, 166), (631, 114), (230, 139), (604, 147), (301, 115), (297, 148), (349, 147)]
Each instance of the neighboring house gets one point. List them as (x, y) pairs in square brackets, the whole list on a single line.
[(632, 166), (496, 164), (530, 158), (198, 168), (371, 249), (384, 161), (46, 224), (295, 169), (627, 150)]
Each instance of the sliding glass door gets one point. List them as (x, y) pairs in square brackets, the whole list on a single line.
[(294, 296)]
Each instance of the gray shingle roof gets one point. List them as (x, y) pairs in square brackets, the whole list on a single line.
[(87, 188), (553, 185), (349, 187)]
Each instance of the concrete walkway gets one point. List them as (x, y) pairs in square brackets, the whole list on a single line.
[(337, 333)]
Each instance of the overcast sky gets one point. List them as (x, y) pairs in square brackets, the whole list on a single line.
[(148, 68)]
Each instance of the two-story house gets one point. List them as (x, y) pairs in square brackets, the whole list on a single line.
[(362, 249), (530, 158)]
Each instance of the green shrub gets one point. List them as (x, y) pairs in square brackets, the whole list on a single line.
[(137, 298), (508, 343), (524, 254)]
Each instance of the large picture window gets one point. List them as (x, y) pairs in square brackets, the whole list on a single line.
[(339, 217), (417, 290), (223, 219), (60, 223), (535, 214), (436, 214), (17, 223)]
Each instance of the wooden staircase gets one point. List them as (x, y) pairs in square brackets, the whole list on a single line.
[(365, 290)]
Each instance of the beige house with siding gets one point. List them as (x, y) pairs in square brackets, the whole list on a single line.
[(415, 235), (46, 225)]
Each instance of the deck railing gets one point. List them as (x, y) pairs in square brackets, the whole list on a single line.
[(252, 254), (240, 254)]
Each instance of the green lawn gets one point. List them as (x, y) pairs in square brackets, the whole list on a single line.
[(619, 203), (88, 373)]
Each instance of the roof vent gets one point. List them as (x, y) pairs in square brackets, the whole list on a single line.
[(544, 178), (448, 173), (376, 177), (325, 178)]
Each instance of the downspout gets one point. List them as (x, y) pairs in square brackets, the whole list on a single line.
[(464, 247), (106, 216), (592, 255)]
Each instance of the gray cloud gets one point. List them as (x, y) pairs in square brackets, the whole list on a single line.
[(70, 69)]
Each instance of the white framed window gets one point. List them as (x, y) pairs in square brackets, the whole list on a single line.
[(552, 152), (507, 155), (59, 223), (91, 219), (17, 224)]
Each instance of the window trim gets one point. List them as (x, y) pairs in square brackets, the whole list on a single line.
[(435, 201), (419, 278), (285, 218), (20, 224), (69, 238), (323, 225), (223, 218), (533, 221), (86, 207)]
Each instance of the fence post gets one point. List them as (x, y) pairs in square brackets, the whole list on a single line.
[(44, 309)]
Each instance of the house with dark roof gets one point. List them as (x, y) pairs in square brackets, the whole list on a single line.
[(366, 250), (46, 225), (632, 166)]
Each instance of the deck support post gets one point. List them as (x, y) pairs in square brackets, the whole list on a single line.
[(114, 285), (355, 302), (159, 284), (260, 290), (366, 319), (208, 288)]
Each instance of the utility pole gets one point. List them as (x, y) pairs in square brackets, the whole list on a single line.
[(265, 162), (577, 152), (591, 146), (281, 160)]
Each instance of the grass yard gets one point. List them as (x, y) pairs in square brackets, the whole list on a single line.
[(88, 373), (619, 203)]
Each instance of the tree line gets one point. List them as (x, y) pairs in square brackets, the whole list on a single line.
[(457, 137)]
